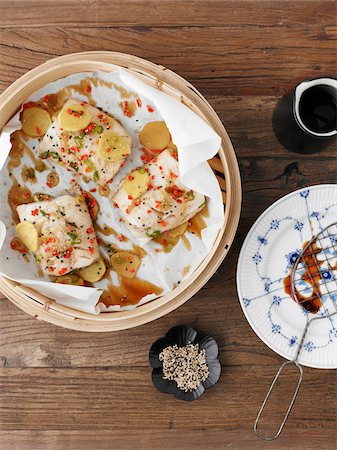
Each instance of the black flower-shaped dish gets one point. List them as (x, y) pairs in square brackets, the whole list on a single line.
[(181, 336)]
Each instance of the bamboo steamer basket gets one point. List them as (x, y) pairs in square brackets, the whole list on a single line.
[(224, 164)]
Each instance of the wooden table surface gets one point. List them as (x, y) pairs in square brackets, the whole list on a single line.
[(63, 389)]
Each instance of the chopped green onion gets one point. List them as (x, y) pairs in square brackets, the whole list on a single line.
[(43, 213), (98, 129), (75, 239), (74, 166), (78, 141), (203, 204), (89, 163), (154, 234), (95, 176), (37, 257), (190, 195), (54, 155), (44, 155), (82, 134), (141, 170)]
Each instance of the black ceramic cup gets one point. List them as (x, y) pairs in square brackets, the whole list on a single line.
[(304, 120)]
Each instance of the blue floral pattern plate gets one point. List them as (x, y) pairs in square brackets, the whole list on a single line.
[(267, 255)]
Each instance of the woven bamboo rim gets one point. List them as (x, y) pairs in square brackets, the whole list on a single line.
[(225, 165)]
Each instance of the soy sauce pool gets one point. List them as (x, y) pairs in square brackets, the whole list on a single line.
[(318, 109)]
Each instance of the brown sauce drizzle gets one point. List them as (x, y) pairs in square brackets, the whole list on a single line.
[(18, 195), (28, 174), (129, 292), (52, 179), (310, 276), (108, 231), (17, 151), (104, 191), (197, 223)]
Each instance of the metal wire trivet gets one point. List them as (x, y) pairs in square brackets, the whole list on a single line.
[(307, 271)]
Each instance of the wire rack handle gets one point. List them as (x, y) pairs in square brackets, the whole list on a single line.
[(300, 372)]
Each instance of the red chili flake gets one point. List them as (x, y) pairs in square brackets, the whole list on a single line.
[(158, 203), (91, 250), (130, 197), (185, 199), (93, 190), (82, 157), (99, 116), (46, 99), (27, 194), (152, 177), (28, 105), (51, 239), (178, 200), (137, 202), (47, 249), (149, 211), (63, 150), (38, 130), (173, 175), (126, 109), (121, 238), (92, 241), (69, 111), (89, 128), (105, 119), (90, 230), (55, 253), (63, 271), (49, 185), (158, 187), (120, 219), (149, 185), (88, 88), (35, 212), (88, 169), (130, 177), (99, 240), (160, 168), (139, 102), (131, 270), (164, 242), (154, 160), (149, 108), (52, 269), (163, 223), (115, 205)]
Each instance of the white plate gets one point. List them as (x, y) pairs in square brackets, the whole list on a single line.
[(267, 254)]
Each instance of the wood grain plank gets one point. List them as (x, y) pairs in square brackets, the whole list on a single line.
[(119, 13), (98, 400), (215, 60)]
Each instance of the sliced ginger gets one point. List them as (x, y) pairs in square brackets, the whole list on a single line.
[(136, 183), (28, 235), (155, 136), (112, 147), (74, 117), (125, 264), (35, 121), (94, 272)]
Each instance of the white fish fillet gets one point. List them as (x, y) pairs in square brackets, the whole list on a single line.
[(158, 209), (67, 239), (60, 146)]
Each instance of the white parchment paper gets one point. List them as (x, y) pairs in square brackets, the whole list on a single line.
[(196, 142)]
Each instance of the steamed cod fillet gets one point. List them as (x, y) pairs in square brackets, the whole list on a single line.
[(67, 240), (159, 202), (78, 150)]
